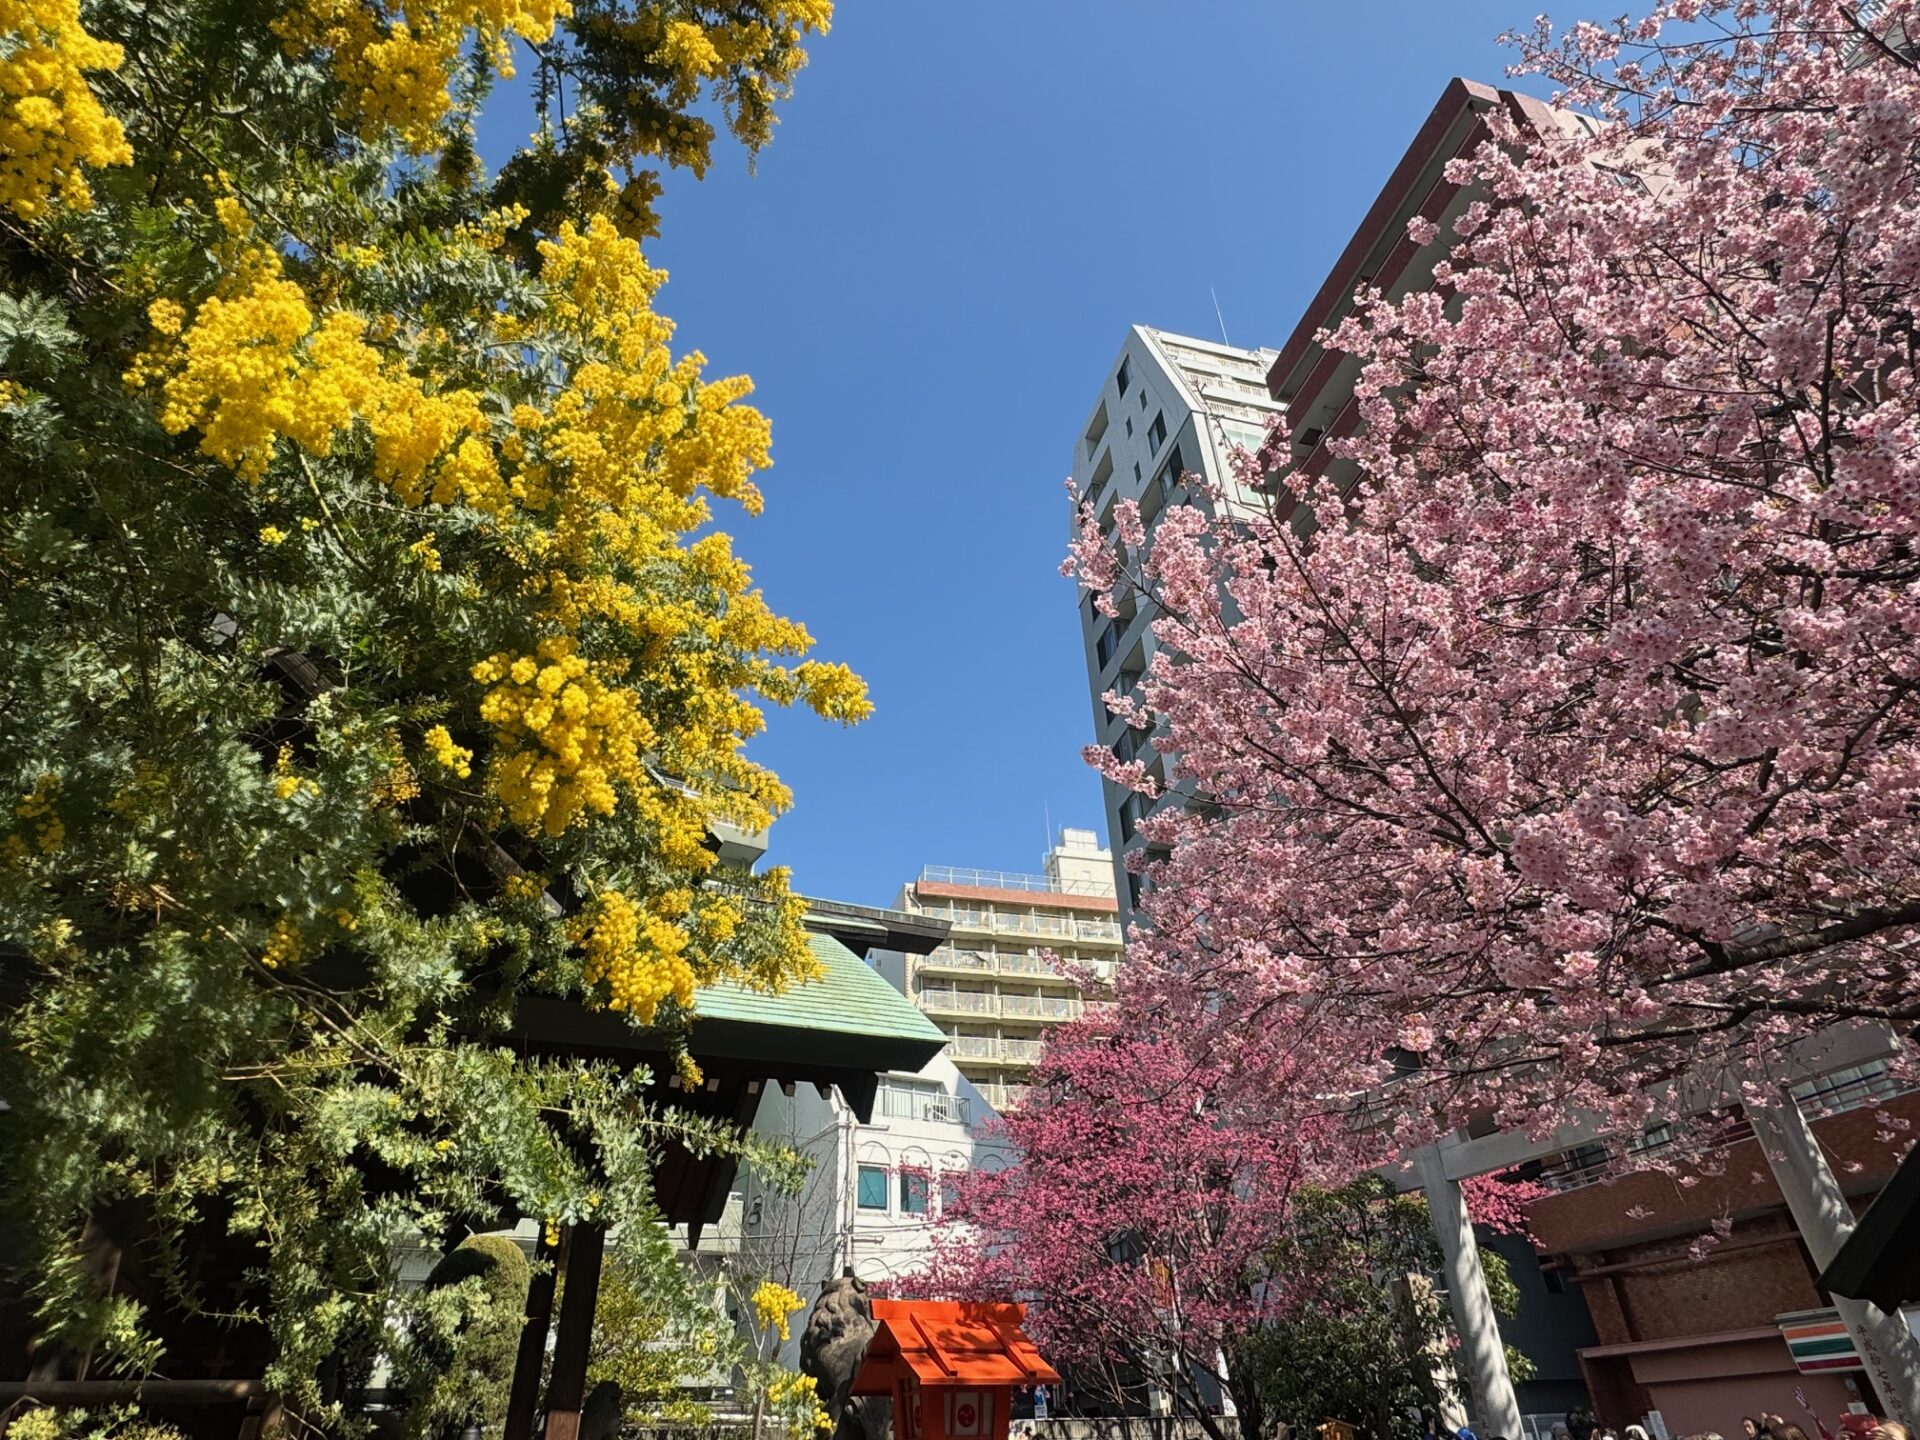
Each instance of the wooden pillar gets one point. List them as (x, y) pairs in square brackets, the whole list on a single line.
[(567, 1390), (524, 1397)]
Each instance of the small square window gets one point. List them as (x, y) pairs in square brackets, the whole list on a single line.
[(872, 1190), (913, 1193), (1129, 427), (1143, 399), (1125, 377), (1136, 472)]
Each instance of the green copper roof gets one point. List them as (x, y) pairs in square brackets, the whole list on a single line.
[(846, 1025), (851, 999)]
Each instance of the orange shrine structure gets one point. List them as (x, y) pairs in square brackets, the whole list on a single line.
[(951, 1367)]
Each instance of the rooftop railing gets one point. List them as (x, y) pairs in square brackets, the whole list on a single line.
[(1008, 880)]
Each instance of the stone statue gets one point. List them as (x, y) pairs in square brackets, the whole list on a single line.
[(831, 1348)]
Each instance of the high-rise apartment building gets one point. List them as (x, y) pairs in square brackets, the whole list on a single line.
[(1172, 408), (991, 985)]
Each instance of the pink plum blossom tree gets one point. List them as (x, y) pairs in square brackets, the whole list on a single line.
[(1575, 742), (1143, 1217)]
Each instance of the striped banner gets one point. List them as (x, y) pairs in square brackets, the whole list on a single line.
[(1819, 1341)]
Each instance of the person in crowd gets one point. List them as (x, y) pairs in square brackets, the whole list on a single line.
[(1890, 1430), (1785, 1429), (1751, 1426), (1637, 1432), (1581, 1424)]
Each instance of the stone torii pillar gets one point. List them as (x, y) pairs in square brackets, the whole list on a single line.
[(1482, 1352), (1824, 1219)]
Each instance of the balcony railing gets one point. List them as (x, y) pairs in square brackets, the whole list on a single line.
[(1019, 1007), (1007, 880), (1040, 1007), (959, 1002), (1023, 1051), (975, 1047), (948, 957), (1058, 925), (899, 1102)]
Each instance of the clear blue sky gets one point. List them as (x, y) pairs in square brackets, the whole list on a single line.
[(963, 209)]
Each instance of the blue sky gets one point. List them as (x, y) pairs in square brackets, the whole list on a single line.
[(963, 209)]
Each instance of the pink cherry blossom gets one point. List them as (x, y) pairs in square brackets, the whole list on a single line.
[(1576, 742)]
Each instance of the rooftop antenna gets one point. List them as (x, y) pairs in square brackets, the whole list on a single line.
[(1218, 316), (1046, 811)]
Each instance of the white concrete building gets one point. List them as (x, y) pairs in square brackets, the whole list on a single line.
[(1171, 406), (1000, 981), (874, 1190)]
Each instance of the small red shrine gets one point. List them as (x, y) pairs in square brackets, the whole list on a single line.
[(950, 1366)]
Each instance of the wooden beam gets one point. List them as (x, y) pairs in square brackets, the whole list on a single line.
[(524, 1397), (567, 1390)]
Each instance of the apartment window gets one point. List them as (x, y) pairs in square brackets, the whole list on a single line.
[(1108, 644), (1143, 399), (1176, 467), (1133, 891), (871, 1191), (1136, 472), (1125, 377), (913, 1192), (1129, 427), (1157, 432)]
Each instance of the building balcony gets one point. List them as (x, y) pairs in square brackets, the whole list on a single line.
[(1004, 1097), (990, 1050), (949, 957), (959, 1002), (897, 1102), (1040, 1007), (1025, 965)]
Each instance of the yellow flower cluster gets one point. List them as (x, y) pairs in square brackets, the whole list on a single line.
[(772, 1304), (636, 430), (564, 739), (638, 951), (795, 1389), (395, 68), (656, 649), (51, 123), (44, 831), (286, 782), (455, 759), (283, 944), (253, 368)]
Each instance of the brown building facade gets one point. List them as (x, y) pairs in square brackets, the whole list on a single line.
[(1687, 1272)]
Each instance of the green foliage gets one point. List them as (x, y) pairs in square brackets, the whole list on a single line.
[(657, 1328), (462, 1335), (262, 945), (1363, 1343), (120, 1422)]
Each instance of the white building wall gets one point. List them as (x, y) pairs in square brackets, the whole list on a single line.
[(1171, 405), (927, 1128)]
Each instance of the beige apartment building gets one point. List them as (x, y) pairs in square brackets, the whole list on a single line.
[(999, 980)]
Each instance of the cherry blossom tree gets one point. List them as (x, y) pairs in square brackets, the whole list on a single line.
[(1143, 1216), (1574, 742)]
